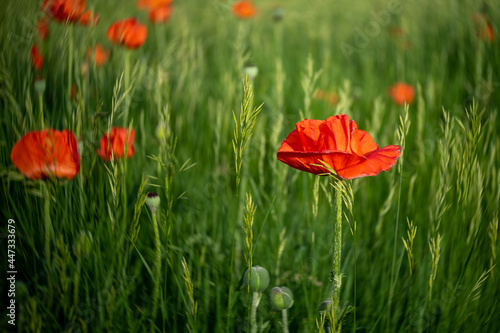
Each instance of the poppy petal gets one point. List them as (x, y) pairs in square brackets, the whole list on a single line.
[(45, 153), (379, 160), (338, 142)]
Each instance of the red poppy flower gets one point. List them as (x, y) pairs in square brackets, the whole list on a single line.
[(42, 28), (484, 29), (152, 4), (128, 32), (47, 153), (396, 31), (401, 93), (36, 57), (338, 142), (244, 9), (64, 10), (117, 143), (87, 17), (99, 54), (160, 15)]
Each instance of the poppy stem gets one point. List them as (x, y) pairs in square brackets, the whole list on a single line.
[(40, 101), (70, 59), (127, 83), (337, 247), (284, 317), (253, 314), (157, 271)]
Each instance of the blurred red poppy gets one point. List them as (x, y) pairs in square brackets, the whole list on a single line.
[(99, 54), (47, 153), (128, 32), (396, 31), (42, 28), (36, 57), (64, 10), (244, 9), (338, 142), (89, 17), (160, 15), (117, 143), (152, 4), (401, 93), (484, 29), (331, 97)]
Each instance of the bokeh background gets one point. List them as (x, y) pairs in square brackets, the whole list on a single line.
[(314, 59)]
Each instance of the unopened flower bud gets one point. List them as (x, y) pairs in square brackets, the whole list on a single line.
[(40, 85), (259, 279), (281, 298), (278, 13), (251, 71), (83, 244), (153, 200), (161, 131)]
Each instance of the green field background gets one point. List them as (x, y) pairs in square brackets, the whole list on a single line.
[(188, 77)]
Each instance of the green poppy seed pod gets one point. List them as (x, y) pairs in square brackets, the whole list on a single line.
[(83, 244), (278, 13), (259, 279), (160, 131), (325, 306), (40, 86), (153, 200), (281, 298), (251, 71)]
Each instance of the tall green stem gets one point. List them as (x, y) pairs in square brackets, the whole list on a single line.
[(40, 101), (253, 315), (127, 83), (157, 271), (70, 59), (337, 247), (285, 321)]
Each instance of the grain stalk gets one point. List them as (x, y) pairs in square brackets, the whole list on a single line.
[(435, 249), (493, 235), (308, 82), (408, 244), (242, 134), (247, 228), (404, 127), (193, 305), (244, 128)]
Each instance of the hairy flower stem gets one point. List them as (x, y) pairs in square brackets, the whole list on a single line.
[(337, 244), (40, 100), (285, 321), (253, 314), (127, 84), (157, 271)]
